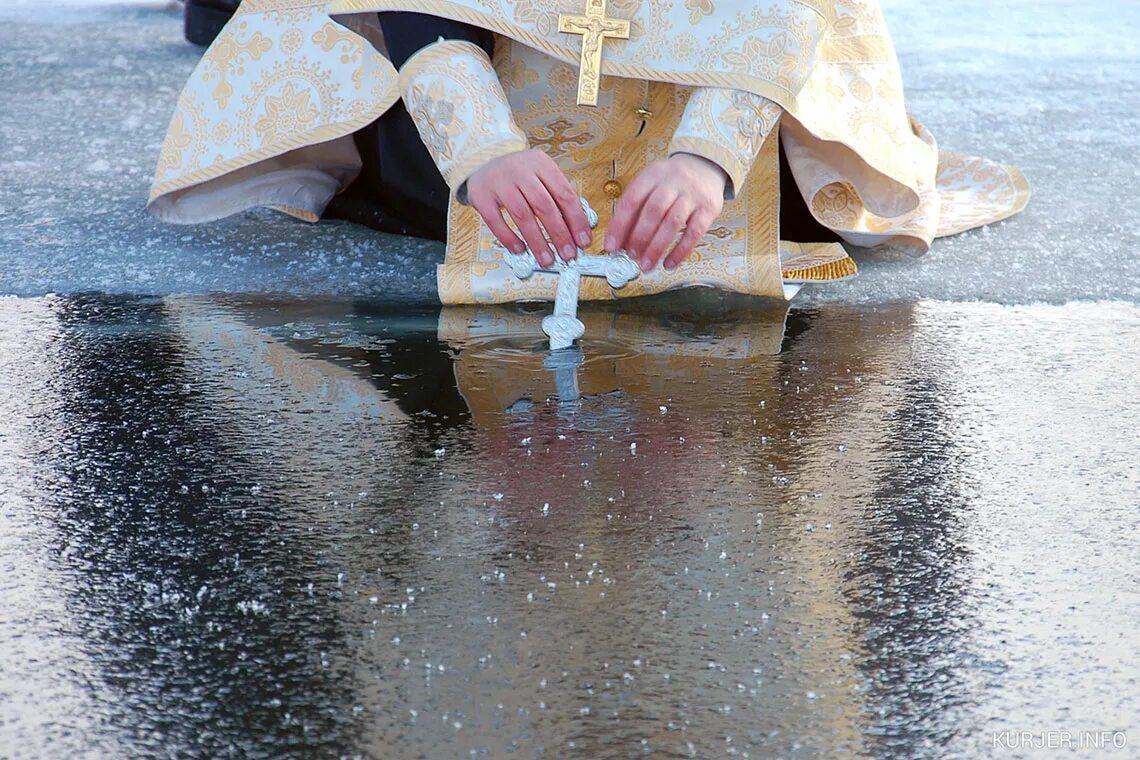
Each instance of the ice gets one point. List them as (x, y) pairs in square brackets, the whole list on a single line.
[(253, 607), (1034, 84)]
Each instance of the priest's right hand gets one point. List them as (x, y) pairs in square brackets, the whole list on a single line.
[(531, 188)]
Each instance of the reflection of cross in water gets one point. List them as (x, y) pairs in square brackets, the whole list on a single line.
[(563, 326), (594, 28), (564, 365)]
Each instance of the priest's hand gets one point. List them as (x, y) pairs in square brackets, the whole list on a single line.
[(684, 192), (533, 190)]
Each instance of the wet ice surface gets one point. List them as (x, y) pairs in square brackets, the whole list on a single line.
[(87, 92), (253, 528)]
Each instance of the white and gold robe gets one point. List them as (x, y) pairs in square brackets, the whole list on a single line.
[(267, 119)]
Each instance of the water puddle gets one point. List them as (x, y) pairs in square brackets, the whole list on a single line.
[(271, 527)]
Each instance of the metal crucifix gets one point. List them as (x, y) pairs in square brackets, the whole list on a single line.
[(563, 326), (595, 28)]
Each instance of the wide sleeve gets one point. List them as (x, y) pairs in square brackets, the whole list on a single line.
[(727, 127), (459, 108)]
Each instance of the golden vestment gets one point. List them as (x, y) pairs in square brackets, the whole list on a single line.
[(267, 119)]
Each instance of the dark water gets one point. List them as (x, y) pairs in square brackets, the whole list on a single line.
[(235, 528)]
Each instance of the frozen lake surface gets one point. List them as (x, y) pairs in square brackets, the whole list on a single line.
[(240, 527), (259, 497)]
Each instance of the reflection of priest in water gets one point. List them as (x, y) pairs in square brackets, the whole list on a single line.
[(749, 429), (731, 144)]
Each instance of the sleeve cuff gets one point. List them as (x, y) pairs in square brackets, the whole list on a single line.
[(727, 127), (459, 108), (728, 161)]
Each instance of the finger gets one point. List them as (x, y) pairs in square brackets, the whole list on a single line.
[(550, 215), (568, 202), (626, 214), (652, 217), (695, 230), (492, 214), (523, 216), (666, 235)]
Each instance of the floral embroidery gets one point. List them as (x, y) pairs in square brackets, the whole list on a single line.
[(225, 57), (285, 115), (861, 89), (771, 59), (521, 75), (756, 117), (178, 140), (291, 41), (433, 115), (222, 132), (697, 9), (331, 35), (562, 76), (685, 46)]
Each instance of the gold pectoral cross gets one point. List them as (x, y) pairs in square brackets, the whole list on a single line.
[(594, 28)]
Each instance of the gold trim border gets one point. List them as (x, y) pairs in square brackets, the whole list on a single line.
[(832, 271), (324, 133), (1021, 195)]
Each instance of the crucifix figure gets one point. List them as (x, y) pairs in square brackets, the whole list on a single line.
[(595, 28), (563, 326)]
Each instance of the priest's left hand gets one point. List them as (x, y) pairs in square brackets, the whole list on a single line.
[(683, 192)]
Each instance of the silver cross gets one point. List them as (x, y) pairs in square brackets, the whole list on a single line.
[(563, 326)]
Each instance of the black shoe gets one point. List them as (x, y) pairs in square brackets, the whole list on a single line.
[(203, 19)]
